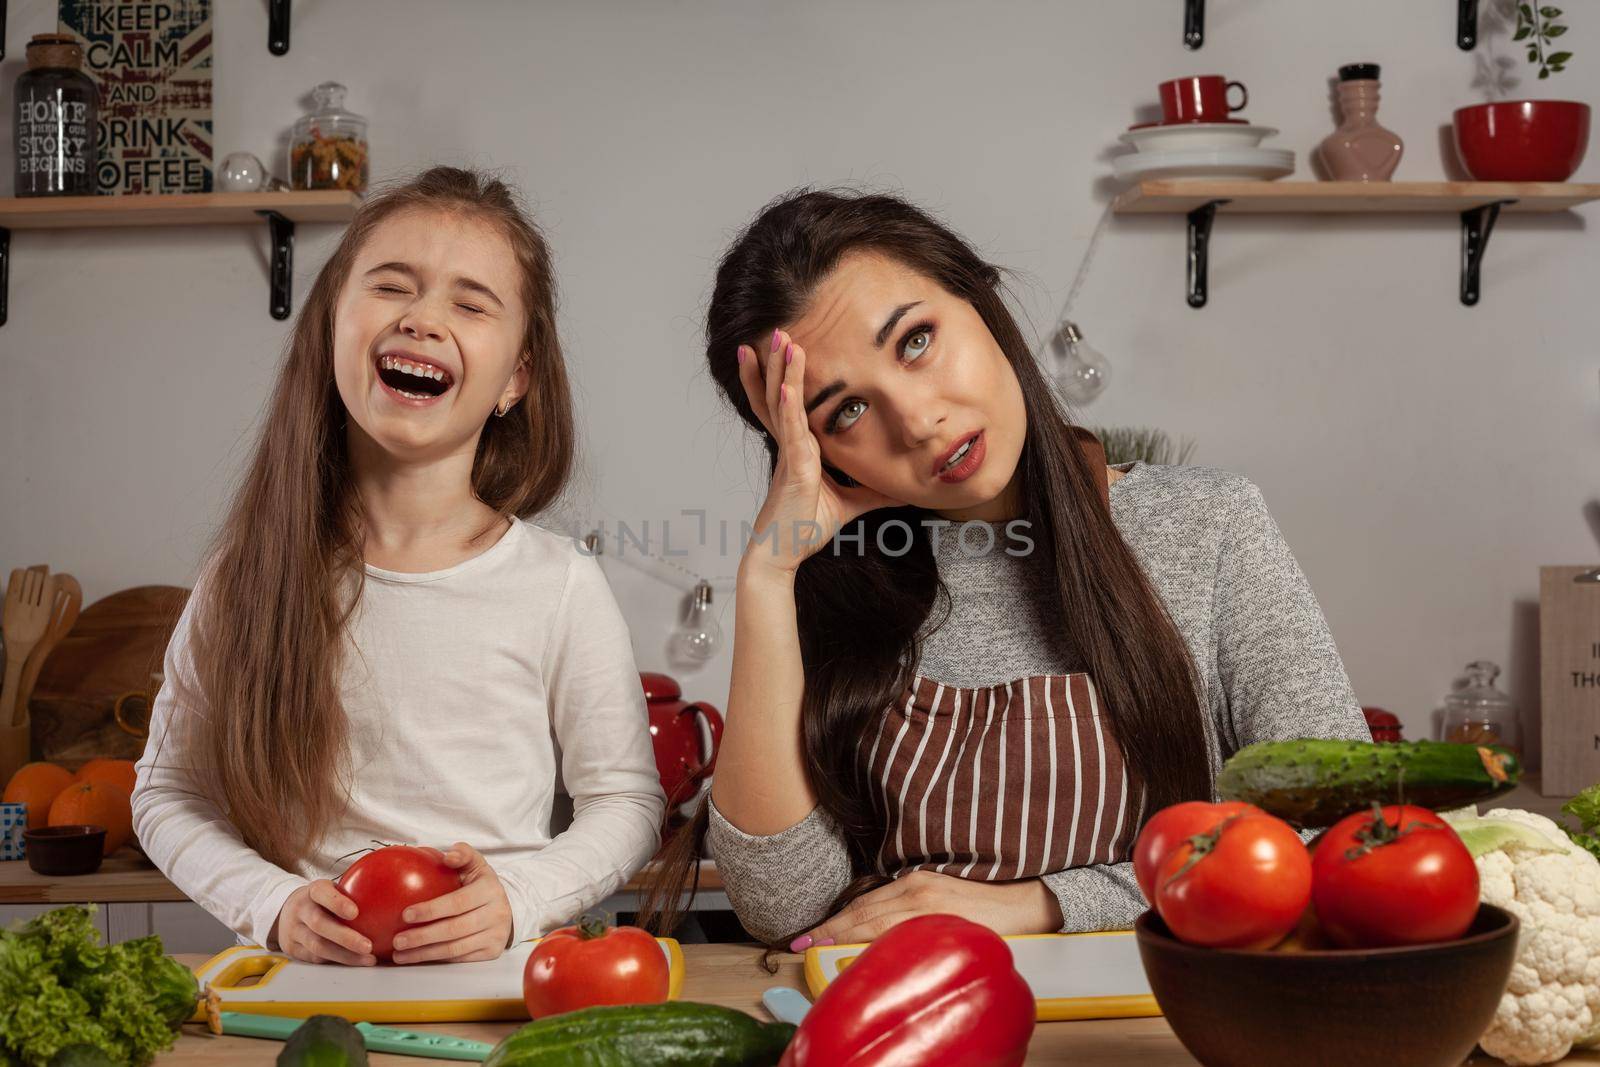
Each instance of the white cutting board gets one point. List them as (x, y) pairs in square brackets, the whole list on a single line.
[(1073, 976), (259, 981)]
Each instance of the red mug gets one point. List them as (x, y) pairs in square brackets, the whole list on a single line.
[(1202, 98)]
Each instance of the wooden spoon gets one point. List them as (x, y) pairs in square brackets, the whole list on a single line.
[(24, 620), (68, 600)]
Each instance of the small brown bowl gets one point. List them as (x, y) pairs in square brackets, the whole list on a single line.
[(1415, 1006), (65, 850)]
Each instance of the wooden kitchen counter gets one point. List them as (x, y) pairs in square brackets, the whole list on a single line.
[(732, 975), (127, 877)]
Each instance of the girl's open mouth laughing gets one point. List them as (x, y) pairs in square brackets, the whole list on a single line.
[(413, 381)]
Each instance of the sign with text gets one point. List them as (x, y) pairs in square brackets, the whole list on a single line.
[(152, 62), (1569, 674)]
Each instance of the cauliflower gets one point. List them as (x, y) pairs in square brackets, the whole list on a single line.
[(1528, 866)]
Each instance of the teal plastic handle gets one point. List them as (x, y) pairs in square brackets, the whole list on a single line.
[(272, 1027), (433, 1046), (376, 1038)]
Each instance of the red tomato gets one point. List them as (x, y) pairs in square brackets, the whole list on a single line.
[(591, 964), (386, 882), (1404, 879), (1247, 885), (1171, 827)]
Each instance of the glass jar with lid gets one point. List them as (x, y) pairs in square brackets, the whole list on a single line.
[(55, 120), (1479, 713), (329, 149)]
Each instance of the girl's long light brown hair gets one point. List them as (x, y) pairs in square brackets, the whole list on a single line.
[(285, 570)]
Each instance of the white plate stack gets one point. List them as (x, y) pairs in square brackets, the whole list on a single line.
[(1214, 151)]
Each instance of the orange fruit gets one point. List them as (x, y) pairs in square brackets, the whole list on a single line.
[(95, 804), (112, 771), (37, 785)]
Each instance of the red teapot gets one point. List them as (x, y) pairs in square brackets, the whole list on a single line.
[(683, 757)]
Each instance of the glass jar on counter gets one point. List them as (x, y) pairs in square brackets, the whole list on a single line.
[(54, 115), (329, 149), (1479, 713)]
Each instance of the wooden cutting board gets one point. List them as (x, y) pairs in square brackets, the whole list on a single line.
[(113, 648), (1073, 976), (258, 981)]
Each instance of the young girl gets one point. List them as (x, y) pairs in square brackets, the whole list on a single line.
[(381, 647), (1011, 655)]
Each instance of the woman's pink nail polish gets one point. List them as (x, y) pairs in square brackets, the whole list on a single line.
[(775, 340), (741, 355), (824, 943), (788, 352), (783, 393), (801, 943)]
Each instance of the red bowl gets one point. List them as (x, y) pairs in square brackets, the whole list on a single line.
[(1522, 140)]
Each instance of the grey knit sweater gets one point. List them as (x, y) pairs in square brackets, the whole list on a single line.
[(1266, 662)]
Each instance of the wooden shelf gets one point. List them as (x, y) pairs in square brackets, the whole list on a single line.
[(173, 209), (1478, 204), (280, 211), (1319, 198)]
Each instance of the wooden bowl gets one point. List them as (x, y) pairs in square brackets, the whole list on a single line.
[(1416, 1006), (65, 850)]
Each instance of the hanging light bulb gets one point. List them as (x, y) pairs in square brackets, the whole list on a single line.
[(1081, 372), (698, 637)]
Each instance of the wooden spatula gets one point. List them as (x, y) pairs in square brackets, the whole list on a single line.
[(68, 600), (24, 620)]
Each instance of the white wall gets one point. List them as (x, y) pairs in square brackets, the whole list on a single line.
[(1422, 458)]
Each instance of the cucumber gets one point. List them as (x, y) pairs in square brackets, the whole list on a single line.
[(674, 1034), (324, 1041), (1312, 783)]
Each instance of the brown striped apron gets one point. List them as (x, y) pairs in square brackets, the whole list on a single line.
[(1001, 782)]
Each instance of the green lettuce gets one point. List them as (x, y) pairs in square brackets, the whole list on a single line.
[(60, 986), (1585, 807)]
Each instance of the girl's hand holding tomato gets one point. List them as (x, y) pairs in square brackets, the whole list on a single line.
[(594, 964), (1171, 827), (470, 924), (417, 904), (1393, 876), (1243, 884), (312, 927)]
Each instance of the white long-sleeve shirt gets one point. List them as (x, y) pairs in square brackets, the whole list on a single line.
[(468, 691)]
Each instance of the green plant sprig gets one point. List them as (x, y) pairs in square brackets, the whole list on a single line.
[(1539, 28)]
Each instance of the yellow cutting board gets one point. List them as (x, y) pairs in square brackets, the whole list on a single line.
[(259, 981), (1073, 976)]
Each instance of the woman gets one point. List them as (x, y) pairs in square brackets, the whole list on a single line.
[(1011, 655)]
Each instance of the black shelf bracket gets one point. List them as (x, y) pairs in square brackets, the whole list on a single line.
[(1476, 226), (1200, 220), (1194, 24), (2, 47), (5, 268), (1466, 24), (278, 27), (282, 261)]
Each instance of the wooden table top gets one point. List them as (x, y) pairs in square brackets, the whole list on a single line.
[(732, 976)]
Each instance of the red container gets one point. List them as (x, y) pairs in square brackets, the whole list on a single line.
[(685, 757), (1522, 140)]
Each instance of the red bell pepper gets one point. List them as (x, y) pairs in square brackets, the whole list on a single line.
[(936, 989)]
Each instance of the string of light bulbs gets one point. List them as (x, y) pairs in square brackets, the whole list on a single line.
[(1080, 372)]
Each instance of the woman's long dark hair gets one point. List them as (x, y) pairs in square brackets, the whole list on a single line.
[(860, 612)]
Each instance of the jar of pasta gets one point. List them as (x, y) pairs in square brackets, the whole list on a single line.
[(329, 150), (1479, 713)]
